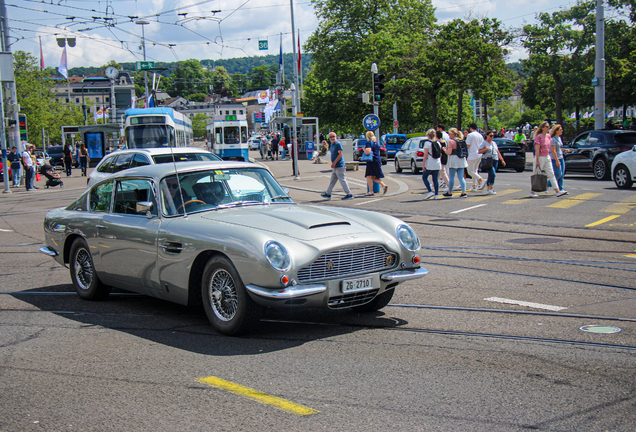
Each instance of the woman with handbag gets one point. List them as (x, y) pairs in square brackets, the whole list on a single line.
[(490, 161), (456, 164), (373, 171), (543, 162), (557, 150), (432, 163)]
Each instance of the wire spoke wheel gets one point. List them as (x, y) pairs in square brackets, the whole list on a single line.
[(83, 269), (85, 280), (223, 295)]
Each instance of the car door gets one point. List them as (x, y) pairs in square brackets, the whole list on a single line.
[(99, 202), (128, 239), (414, 146), (402, 155), (575, 158)]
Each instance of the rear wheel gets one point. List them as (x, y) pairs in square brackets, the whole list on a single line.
[(377, 303), (414, 167), (601, 169), (227, 304), (397, 166), (85, 280), (520, 169), (622, 177)]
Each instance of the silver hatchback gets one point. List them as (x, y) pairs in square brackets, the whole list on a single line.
[(411, 155)]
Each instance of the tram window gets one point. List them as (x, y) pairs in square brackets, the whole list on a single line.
[(241, 112), (233, 112), (231, 135), (219, 135), (243, 134)]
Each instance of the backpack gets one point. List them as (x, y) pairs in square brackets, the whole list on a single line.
[(436, 150), (461, 150)]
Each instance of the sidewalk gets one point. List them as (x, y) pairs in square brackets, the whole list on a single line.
[(76, 181), (315, 177)]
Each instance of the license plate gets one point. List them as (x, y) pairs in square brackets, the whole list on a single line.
[(357, 284), (510, 154)]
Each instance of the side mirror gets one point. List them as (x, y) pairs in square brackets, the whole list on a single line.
[(144, 207)]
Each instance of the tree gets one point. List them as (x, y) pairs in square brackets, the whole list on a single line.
[(189, 78), (37, 101), (199, 124)]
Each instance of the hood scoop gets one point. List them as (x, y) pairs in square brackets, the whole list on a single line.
[(328, 224)]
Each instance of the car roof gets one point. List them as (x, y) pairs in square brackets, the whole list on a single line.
[(161, 170), (162, 150)]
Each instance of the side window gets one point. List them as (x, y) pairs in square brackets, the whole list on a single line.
[(105, 166), (580, 141), (131, 191), (122, 162), (414, 145), (100, 197), (595, 139), (406, 145), (139, 160)]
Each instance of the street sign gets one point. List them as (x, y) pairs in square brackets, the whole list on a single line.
[(371, 122), (594, 82), (396, 123), (145, 65), (262, 45)]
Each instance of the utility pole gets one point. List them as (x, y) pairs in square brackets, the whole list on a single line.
[(395, 119), (142, 23), (599, 68), (295, 91), (376, 108)]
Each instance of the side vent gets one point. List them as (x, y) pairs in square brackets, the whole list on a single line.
[(328, 224)]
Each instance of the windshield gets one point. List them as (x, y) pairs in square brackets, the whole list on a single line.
[(147, 136), (217, 189), (395, 140), (185, 157)]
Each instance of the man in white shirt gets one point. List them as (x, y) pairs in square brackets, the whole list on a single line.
[(29, 170), (474, 142)]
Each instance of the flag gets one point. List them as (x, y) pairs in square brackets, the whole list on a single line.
[(573, 115), (592, 114), (133, 99), (63, 69), (151, 101), (41, 56), (263, 97), (586, 115), (299, 51), (611, 114), (101, 113), (280, 56)]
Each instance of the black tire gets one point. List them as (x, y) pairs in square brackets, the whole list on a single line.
[(227, 304), (414, 167), (601, 169), (377, 303), (520, 169), (622, 177), (85, 279), (397, 166)]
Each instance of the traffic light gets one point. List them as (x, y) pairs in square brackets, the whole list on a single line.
[(378, 87)]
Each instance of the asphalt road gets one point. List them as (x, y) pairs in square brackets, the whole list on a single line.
[(490, 340)]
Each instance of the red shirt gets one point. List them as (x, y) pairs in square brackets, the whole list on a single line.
[(542, 144)]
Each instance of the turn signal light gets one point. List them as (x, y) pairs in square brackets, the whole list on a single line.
[(416, 260), (284, 280)]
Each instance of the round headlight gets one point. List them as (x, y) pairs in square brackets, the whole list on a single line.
[(408, 238), (277, 256)]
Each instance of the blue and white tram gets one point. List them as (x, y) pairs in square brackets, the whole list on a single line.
[(228, 137), (157, 127)]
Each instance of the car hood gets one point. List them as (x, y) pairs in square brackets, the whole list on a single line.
[(297, 221)]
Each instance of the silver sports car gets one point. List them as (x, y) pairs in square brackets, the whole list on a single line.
[(227, 235)]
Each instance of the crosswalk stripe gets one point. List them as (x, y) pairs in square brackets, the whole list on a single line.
[(575, 200), (621, 207), (602, 221)]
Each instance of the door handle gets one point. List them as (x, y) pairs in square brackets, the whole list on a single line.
[(171, 247)]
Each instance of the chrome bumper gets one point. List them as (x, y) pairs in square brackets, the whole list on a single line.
[(404, 275), (290, 292), (50, 252)]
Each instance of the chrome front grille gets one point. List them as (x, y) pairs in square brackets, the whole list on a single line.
[(348, 262)]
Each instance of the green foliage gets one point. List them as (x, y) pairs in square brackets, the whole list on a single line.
[(199, 123)]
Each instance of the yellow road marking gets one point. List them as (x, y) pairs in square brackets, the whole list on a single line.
[(575, 200), (630, 256), (258, 396), (602, 221), (621, 207), (482, 198)]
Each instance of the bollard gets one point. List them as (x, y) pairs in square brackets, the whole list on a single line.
[(376, 188)]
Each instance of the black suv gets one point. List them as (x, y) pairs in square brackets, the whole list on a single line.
[(593, 151), (56, 153)]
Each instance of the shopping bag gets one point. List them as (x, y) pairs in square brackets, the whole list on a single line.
[(539, 181), (38, 177)]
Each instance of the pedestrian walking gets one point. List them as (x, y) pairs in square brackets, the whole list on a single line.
[(29, 170), (14, 159), (83, 159), (443, 173), (432, 163), (492, 151), (543, 161), (373, 172), (456, 164), (338, 168), (68, 159), (474, 142), (283, 148), (275, 141), (557, 150)]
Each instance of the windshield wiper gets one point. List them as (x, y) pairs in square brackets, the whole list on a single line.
[(238, 204)]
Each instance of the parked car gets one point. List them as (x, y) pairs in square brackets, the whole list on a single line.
[(594, 151), (254, 143), (624, 169), (56, 156), (411, 155), (393, 143), (130, 231), (124, 159), (10, 173), (513, 153), (358, 149)]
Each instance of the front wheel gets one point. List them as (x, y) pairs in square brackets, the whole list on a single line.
[(377, 303), (85, 280), (227, 304), (397, 166), (622, 177), (601, 171)]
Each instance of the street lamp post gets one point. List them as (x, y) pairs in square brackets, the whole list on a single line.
[(292, 88), (374, 70), (142, 23)]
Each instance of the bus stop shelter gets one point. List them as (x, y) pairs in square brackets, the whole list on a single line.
[(307, 130)]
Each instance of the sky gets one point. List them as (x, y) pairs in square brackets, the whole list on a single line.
[(202, 29)]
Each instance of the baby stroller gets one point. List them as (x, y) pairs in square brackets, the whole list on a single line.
[(51, 181)]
